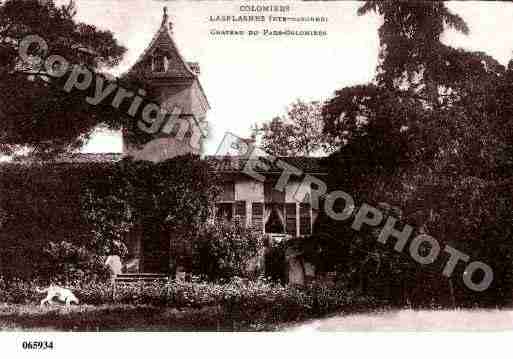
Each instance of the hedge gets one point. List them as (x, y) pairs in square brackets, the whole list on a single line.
[(242, 302), (90, 207)]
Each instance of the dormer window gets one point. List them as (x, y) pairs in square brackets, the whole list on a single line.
[(160, 63)]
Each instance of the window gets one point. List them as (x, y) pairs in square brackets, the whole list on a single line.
[(227, 192), (240, 212), (160, 63), (224, 211), (305, 219), (257, 215), (291, 218), (275, 221)]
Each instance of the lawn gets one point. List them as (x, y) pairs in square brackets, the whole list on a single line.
[(121, 317), (14, 317)]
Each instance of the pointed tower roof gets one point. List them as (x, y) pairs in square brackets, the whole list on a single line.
[(180, 79), (163, 43)]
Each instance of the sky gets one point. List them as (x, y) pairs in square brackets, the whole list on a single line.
[(250, 80)]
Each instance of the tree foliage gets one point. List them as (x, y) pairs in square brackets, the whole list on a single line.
[(222, 250), (41, 219), (410, 40), (172, 196), (37, 114), (297, 133), (66, 214), (432, 137)]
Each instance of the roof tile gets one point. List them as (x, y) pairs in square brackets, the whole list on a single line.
[(237, 164)]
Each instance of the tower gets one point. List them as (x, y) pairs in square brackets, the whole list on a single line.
[(178, 91)]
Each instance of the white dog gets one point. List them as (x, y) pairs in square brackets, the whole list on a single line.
[(55, 292)]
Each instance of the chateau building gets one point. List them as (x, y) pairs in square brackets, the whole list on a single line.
[(281, 214), (256, 203)]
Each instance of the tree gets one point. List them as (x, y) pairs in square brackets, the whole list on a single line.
[(411, 53), (38, 114), (297, 133), (429, 136), (163, 201)]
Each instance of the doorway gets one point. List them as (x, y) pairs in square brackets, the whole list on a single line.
[(155, 252)]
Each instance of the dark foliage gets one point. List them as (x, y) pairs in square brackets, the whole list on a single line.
[(36, 112), (69, 214), (236, 305), (430, 140), (275, 262), (222, 250)]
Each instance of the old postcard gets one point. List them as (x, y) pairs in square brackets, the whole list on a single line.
[(248, 166)]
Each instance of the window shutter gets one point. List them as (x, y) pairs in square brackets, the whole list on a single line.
[(257, 216), (291, 218), (240, 212), (305, 222)]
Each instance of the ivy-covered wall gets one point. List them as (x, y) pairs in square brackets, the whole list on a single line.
[(91, 207)]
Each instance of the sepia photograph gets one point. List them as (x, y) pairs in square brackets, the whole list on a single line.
[(254, 166)]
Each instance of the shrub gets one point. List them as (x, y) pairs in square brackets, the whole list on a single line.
[(69, 263), (18, 291), (221, 250), (275, 262), (238, 303)]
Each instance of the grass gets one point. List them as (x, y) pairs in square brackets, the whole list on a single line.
[(141, 317), (21, 317)]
